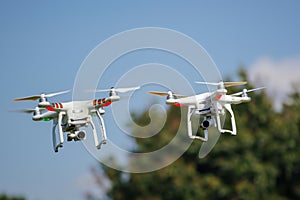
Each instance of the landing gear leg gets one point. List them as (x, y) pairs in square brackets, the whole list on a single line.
[(233, 131), (104, 137), (191, 110), (60, 132)]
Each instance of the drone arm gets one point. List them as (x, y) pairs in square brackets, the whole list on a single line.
[(114, 98), (191, 110), (99, 103)]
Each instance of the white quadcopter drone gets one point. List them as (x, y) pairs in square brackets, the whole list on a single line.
[(211, 105), (71, 116)]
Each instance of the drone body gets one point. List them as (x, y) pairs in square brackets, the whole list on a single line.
[(69, 117), (211, 105)]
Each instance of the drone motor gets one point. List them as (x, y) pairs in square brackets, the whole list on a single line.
[(170, 95), (43, 102), (112, 92)]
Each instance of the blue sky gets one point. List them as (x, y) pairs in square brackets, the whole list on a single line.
[(43, 43)]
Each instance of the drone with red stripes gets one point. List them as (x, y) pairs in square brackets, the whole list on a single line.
[(70, 116), (210, 105)]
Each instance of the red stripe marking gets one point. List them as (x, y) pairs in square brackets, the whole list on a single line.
[(218, 97), (60, 105), (107, 103), (50, 108), (178, 104)]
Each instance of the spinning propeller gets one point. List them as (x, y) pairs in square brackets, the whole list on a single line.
[(41, 96), (245, 91), (36, 110), (121, 90), (37, 114)]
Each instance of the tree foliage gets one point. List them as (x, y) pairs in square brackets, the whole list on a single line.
[(6, 197), (261, 162)]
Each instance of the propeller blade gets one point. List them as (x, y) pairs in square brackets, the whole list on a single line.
[(207, 83), (247, 91), (226, 84), (237, 94), (36, 97), (166, 94), (29, 98), (56, 93), (121, 90), (159, 93), (28, 110), (260, 88), (229, 84), (24, 110)]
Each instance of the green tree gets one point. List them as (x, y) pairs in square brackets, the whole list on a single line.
[(261, 162), (5, 197)]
